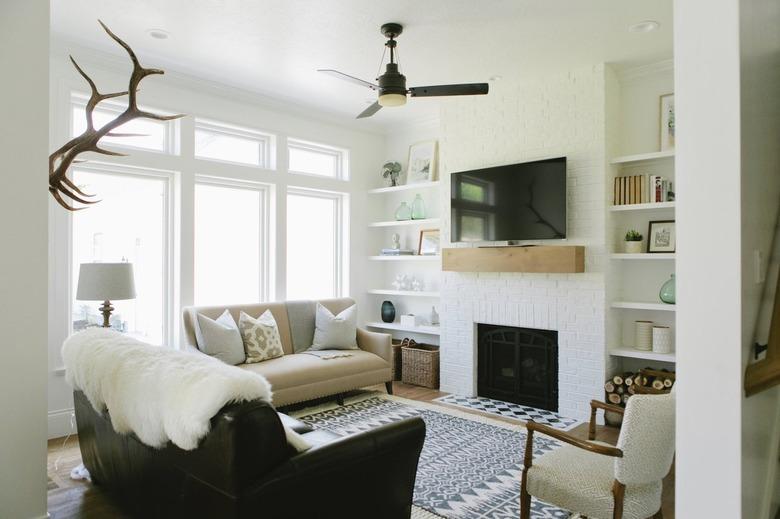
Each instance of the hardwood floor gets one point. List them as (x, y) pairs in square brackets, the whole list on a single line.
[(69, 499)]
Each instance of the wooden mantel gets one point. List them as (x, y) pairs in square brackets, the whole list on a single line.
[(556, 259)]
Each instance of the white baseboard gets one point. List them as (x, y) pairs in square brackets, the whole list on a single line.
[(60, 423)]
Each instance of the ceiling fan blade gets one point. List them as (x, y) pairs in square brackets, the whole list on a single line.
[(466, 89), (371, 110), (347, 77)]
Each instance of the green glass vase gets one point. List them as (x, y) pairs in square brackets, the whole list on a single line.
[(418, 208), (667, 293)]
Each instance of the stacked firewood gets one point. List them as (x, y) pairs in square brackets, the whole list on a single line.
[(619, 388)]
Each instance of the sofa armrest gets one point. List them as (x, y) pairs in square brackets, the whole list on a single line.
[(380, 344), (372, 472)]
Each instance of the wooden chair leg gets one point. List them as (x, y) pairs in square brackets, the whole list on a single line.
[(389, 387), (618, 492), (525, 498)]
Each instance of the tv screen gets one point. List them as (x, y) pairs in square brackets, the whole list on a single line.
[(524, 201)]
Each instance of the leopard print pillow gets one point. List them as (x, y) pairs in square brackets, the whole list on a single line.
[(261, 337)]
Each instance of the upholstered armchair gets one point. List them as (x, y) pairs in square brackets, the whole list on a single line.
[(598, 480)]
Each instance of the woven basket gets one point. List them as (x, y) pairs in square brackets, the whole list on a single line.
[(420, 365), (397, 362)]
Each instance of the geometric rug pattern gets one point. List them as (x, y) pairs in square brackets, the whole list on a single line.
[(470, 466), (523, 413)]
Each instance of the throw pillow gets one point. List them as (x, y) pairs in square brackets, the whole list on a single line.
[(261, 337), (335, 332), (220, 338)]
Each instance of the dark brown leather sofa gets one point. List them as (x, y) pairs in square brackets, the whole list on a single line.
[(244, 468)]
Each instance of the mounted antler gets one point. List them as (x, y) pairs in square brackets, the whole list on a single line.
[(61, 160)]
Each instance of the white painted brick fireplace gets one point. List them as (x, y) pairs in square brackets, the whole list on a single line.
[(560, 115)]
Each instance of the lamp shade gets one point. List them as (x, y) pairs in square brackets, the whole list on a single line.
[(105, 282)]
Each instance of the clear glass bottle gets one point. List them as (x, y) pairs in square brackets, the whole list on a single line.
[(668, 292), (404, 212), (418, 208)]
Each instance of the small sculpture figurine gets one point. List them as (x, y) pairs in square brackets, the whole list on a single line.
[(396, 241), (391, 170), (416, 285)]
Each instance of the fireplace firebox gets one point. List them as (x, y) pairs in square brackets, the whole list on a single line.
[(518, 365)]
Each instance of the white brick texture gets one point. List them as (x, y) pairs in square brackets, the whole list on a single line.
[(559, 115)]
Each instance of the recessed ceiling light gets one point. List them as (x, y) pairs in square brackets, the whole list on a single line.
[(158, 34), (495, 78), (645, 26)]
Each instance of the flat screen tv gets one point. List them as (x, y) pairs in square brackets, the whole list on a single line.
[(516, 202)]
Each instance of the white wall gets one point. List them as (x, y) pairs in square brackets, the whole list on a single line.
[(640, 92), (561, 114), (183, 94), (24, 36), (726, 84)]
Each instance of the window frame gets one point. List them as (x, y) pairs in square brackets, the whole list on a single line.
[(267, 224), (342, 156), (266, 140), (341, 242), (170, 238), (171, 142)]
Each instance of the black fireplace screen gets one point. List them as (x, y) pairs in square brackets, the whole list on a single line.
[(518, 365)]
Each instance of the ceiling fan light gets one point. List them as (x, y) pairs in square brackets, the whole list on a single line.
[(392, 99)]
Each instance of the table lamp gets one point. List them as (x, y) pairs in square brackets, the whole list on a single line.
[(105, 282)]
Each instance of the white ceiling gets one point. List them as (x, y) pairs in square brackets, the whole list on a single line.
[(273, 47)]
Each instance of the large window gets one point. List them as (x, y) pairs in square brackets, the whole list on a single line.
[(231, 242), (316, 244), (228, 143), (153, 135), (317, 159), (130, 223)]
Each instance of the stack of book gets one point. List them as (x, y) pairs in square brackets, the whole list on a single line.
[(642, 189), (397, 252)]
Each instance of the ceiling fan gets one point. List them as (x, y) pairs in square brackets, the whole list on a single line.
[(392, 84)]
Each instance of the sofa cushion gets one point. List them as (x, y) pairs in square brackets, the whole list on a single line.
[(335, 332), (300, 369), (301, 315), (220, 338), (261, 337)]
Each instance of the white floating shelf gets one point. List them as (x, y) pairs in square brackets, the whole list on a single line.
[(405, 187), (416, 257), (644, 157), (426, 330), (635, 305), (641, 354), (401, 223), (409, 293), (643, 256), (642, 207)]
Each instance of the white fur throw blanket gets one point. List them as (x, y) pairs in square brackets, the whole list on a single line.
[(158, 393)]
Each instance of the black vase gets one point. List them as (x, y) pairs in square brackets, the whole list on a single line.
[(388, 312)]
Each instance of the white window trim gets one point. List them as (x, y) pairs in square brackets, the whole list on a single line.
[(267, 224), (170, 269), (267, 142), (172, 128), (341, 155), (341, 245)]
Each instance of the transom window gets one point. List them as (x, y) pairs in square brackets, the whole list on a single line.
[(229, 143), (310, 158), (160, 136)]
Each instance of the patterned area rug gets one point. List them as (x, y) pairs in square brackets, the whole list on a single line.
[(470, 465), (519, 412)]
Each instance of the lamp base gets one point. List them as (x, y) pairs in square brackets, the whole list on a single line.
[(106, 310)]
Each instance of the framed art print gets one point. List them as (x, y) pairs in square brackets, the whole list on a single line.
[(422, 162), (667, 122), (429, 242), (661, 236)]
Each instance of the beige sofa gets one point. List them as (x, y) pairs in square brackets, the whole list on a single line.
[(297, 377)]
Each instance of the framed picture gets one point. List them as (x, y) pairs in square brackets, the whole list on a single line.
[(661, 236), (667, 122), (429, 242), (422, 162)]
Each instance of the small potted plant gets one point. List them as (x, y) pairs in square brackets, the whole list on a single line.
[(633, 242), (390, 172)]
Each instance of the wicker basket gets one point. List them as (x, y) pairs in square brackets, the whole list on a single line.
[(397, 362), (420, 365)]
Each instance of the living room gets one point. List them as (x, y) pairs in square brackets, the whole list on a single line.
[(268, 258)]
